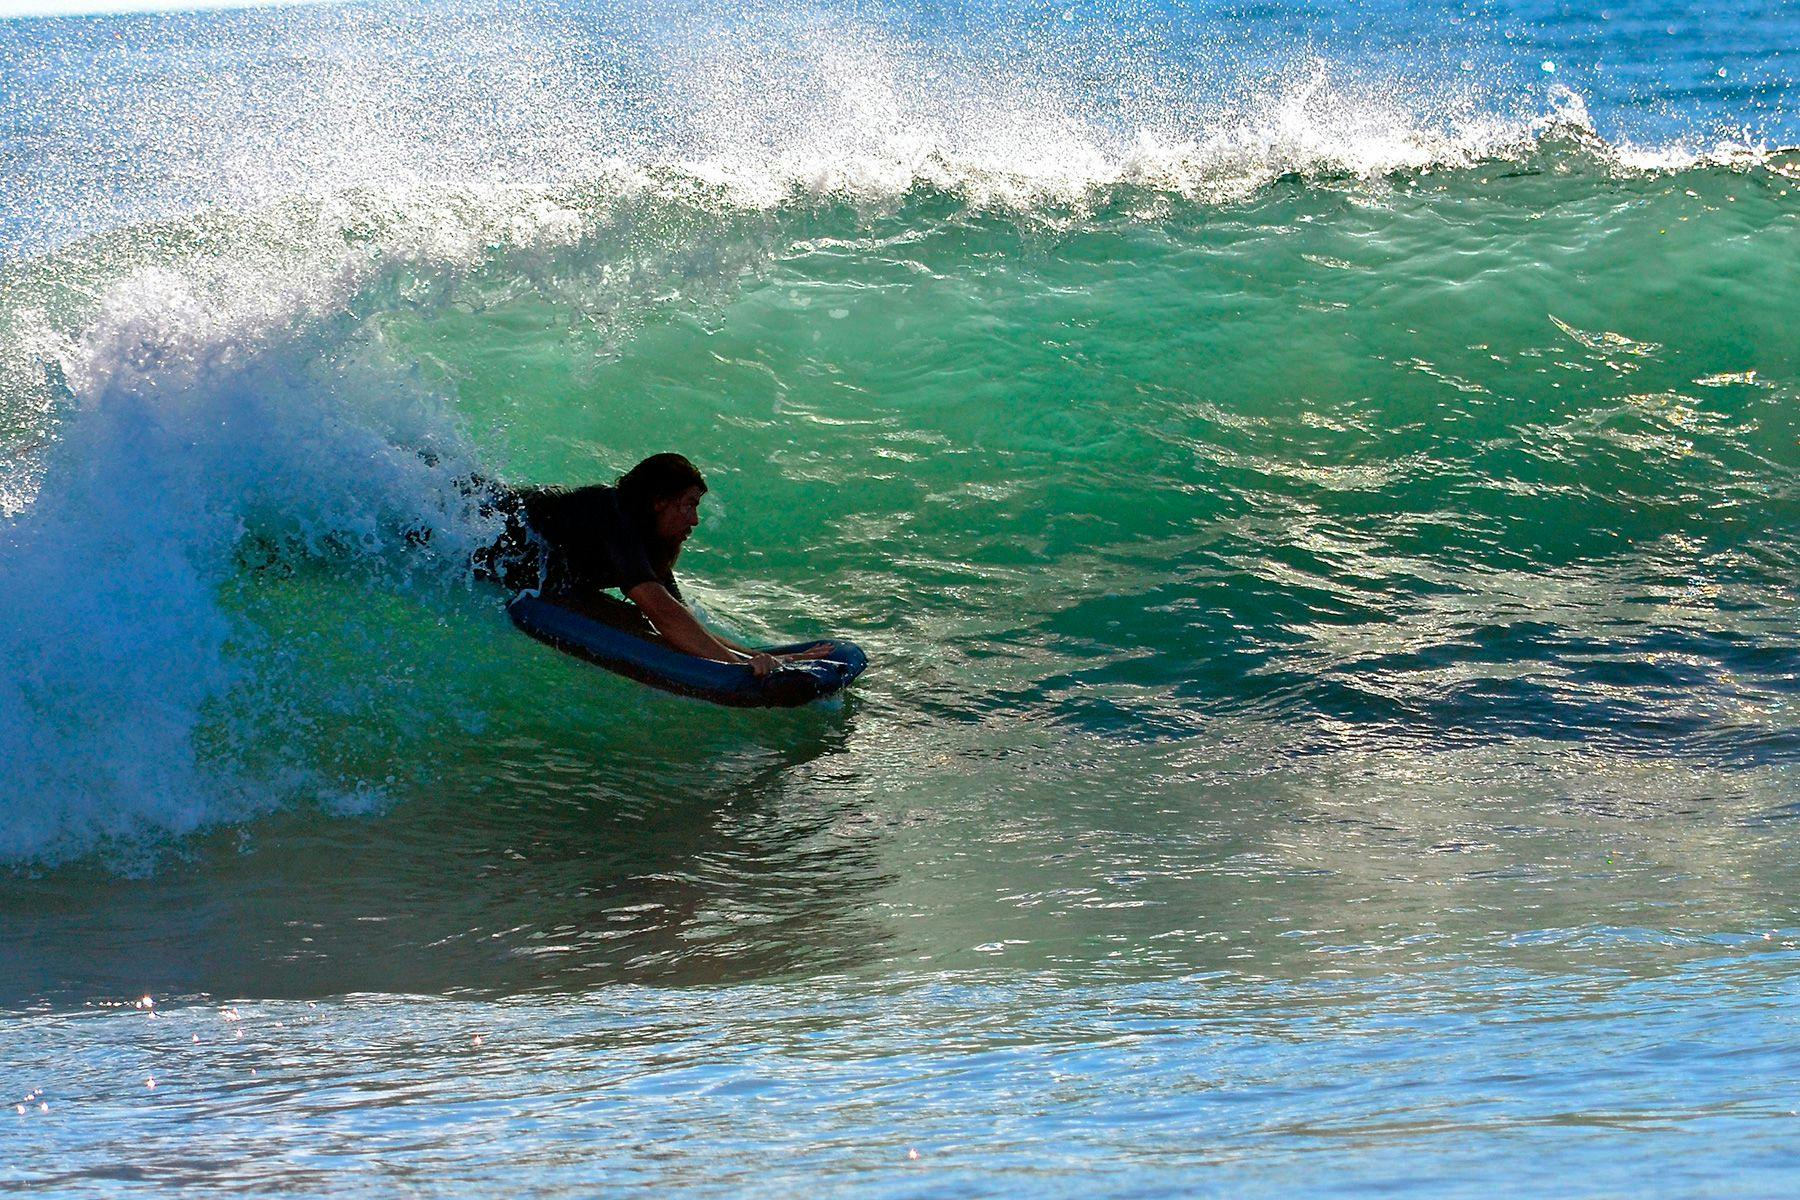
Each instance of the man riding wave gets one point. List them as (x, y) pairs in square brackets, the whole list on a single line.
[(573, 544)]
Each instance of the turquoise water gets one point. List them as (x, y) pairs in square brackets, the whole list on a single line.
[(1318, 492)]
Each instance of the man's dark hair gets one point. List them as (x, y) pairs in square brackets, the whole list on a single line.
[(659, 477)]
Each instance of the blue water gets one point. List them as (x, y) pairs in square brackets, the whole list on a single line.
[(1319, 488)]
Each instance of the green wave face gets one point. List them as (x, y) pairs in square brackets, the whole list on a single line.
[(1498, 450)]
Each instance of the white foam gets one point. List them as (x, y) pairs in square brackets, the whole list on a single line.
[(201, 397)]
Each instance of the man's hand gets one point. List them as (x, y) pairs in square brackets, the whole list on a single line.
[(761, 664)]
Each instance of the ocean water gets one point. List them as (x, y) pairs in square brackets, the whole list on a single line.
[(1319, 487)]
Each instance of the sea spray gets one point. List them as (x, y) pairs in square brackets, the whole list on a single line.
[(187, 428)]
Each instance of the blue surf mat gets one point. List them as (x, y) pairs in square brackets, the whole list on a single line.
[(615, 645)]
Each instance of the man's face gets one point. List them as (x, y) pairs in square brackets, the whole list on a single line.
[(677, 516)]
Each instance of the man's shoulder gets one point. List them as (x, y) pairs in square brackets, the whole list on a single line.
[(595, 502)]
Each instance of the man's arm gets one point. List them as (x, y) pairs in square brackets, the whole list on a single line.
[(683, 631)]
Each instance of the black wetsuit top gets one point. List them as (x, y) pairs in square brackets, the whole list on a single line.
[(570, 544)]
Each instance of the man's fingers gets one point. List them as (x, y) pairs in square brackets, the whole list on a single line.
[(762, 663)]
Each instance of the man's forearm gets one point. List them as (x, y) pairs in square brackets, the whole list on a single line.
[(682, 630)]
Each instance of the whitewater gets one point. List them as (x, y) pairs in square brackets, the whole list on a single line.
[(1320, 491)]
